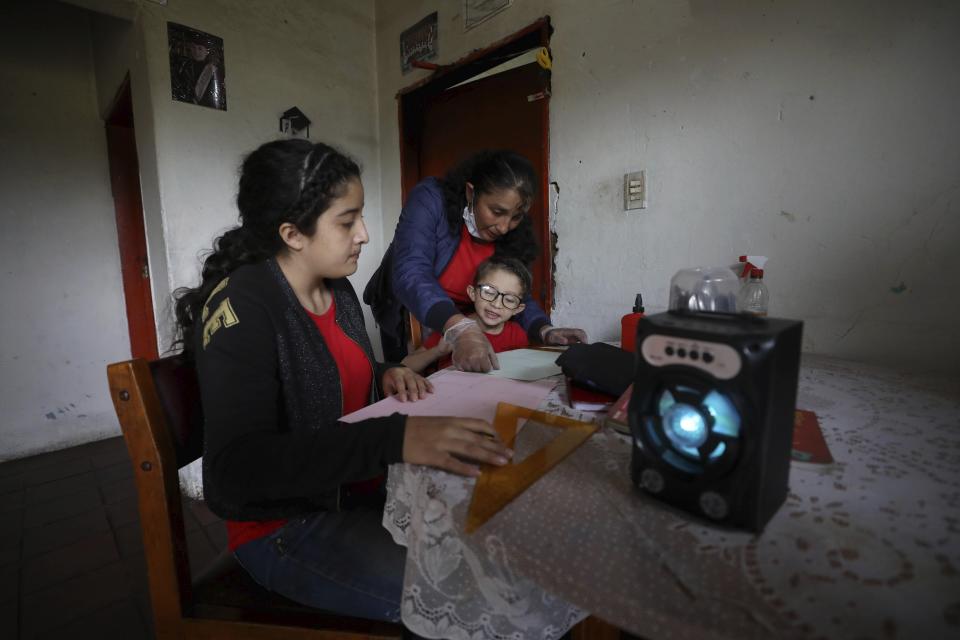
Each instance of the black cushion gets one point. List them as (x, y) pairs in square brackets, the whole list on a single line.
[(178, 389)]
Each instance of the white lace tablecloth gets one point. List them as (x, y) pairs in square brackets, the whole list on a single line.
[(865, 547)]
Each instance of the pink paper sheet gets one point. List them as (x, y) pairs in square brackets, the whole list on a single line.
[(461, 394)]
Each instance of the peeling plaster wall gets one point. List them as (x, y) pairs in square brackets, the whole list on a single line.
[(63, 315), (820, 134)]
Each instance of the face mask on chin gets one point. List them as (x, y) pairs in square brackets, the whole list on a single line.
[(471, 221)]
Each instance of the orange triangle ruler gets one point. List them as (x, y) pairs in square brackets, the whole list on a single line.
[(497, 486)]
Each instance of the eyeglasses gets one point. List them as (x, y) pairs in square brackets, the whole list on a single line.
[(490, 294)]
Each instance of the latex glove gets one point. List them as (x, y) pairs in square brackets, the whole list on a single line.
[(443, 348), (471, 349), (405, 384), (562, 335)]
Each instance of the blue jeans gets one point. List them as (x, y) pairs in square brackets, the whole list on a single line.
[(344, 562)]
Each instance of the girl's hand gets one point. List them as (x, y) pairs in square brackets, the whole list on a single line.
[(445, 443), (403, 384)]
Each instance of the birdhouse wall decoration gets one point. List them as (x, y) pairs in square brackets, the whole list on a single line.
[(295, 123)]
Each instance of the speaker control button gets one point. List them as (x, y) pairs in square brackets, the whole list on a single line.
[(694, 355), (651, 480), (717, 359), (713, 505)]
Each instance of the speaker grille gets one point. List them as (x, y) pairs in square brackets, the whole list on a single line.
[(693, 429)]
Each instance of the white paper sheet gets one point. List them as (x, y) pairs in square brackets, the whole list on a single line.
[(526, 364), (457, 393)]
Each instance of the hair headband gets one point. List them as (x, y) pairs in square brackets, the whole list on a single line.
[(304, 177)]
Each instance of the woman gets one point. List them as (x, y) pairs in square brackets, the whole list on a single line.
[(447, 227), (281, 353)]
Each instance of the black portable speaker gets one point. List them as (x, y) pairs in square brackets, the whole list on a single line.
[(712, 413)]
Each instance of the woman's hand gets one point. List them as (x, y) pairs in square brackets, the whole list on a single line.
[(404, 384), (562, 335), (445, 443), (471, 349)]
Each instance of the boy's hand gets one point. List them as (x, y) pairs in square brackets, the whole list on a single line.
[(442, 348), (445, 443), (403, 384), (559, 336)]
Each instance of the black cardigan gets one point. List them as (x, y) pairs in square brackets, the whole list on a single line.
[(273, 447)]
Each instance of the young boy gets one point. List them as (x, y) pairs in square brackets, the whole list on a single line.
[(497, 293)]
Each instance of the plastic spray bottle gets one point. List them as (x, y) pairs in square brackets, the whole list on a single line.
[(746, 263), (628, 325), (754, 297)]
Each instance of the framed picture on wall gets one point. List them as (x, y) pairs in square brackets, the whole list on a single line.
[(477, 11), (197, 71), (419, 42)]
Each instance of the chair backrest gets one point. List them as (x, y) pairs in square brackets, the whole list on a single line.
[(158, 406), (415, 336), (177, 387)]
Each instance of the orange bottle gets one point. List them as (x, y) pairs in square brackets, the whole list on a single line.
[(628, 326)]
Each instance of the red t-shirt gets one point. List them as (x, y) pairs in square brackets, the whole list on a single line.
[(512, 337), (356, 377), (462, 267)]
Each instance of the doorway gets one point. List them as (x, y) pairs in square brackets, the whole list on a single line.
[(448, 116), (134, 266)]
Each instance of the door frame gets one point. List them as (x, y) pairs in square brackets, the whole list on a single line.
[(411, 101), (131, 234)]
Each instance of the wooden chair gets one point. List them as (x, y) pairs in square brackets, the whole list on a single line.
[(415, 337), (158, 404)]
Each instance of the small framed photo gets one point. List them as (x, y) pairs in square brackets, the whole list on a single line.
[(197, 71), (419, 42), (478, 11)]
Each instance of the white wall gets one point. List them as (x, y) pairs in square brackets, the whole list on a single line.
[(317, 56), (60, 262), (821, 134), (63, 315)]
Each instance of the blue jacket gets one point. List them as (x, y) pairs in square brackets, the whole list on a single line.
[(422, 246)]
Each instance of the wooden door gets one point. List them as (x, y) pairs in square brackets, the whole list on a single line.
[(135, 269), (507, 110)]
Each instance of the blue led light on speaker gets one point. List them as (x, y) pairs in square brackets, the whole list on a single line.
[(726, 420), (685, 426)]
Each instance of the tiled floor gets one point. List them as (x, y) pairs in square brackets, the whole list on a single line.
[(71, 552)]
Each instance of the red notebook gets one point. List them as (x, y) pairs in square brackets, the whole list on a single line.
[(584, 399), (808, 442), (618, 418)]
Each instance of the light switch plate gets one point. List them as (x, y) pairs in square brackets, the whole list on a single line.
[(634, 190)]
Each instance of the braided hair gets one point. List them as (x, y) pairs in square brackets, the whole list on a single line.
[(488, 171), (281, 181)]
